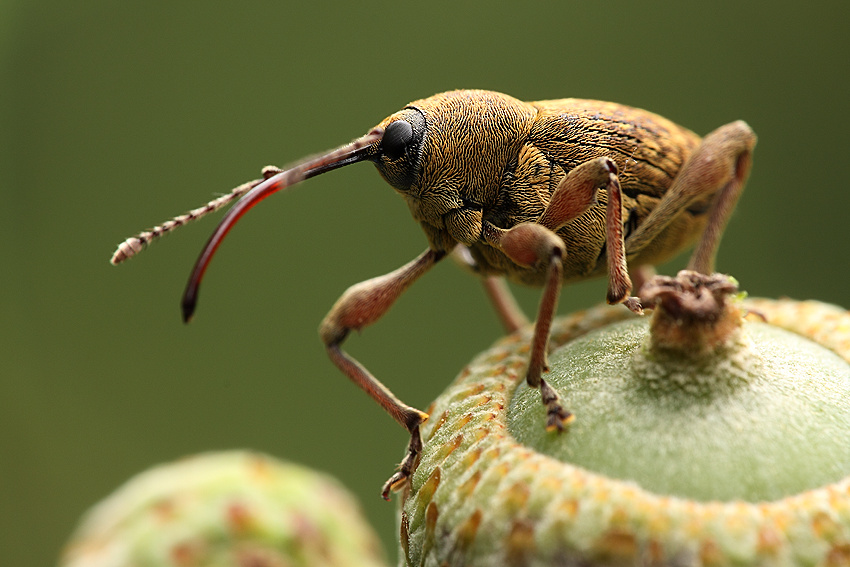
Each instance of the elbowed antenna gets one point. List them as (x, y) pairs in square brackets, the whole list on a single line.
[(356, 151)]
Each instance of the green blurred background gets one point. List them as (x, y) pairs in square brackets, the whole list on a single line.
[(116, 116)]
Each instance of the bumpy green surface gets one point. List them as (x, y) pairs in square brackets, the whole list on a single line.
[(756, 429), (480, 497), (231, 509)]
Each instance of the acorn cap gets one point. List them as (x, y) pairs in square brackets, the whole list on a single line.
[(737, 453)]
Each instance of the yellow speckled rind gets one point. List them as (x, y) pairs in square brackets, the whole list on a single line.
[(234, 508), (480, 498)]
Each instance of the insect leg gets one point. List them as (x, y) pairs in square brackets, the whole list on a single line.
[(619, 284), (640, 275), (720, 166), (537, 244), (574, 195), (557, 417), (532, 244), (577, 192), (503, 301), (702, 259), (361, 305), (505, 304)]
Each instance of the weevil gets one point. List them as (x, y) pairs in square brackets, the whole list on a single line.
[(542, 193)]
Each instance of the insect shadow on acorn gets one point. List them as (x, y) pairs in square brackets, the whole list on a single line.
[(543, 193)]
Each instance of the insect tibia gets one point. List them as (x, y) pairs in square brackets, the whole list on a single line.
[(137, 243)]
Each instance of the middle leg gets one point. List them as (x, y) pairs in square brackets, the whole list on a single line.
[(531, 244)]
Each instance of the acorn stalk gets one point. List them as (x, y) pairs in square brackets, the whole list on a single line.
[(696, 340), (703, 437)]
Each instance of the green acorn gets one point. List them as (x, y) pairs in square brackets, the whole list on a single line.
[(231, 509), (702, 437)]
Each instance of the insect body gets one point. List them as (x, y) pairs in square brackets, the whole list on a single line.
[(542, 193)]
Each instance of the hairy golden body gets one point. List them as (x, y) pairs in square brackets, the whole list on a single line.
[(490, 157)]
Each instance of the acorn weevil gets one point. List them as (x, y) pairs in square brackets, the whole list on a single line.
[(542, 193)]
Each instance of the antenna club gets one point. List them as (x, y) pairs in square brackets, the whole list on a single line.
[(127, 250)]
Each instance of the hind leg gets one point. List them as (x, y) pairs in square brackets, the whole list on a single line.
[(719, 166)]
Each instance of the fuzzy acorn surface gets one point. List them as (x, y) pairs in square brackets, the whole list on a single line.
[(740, 458), (233, 508)]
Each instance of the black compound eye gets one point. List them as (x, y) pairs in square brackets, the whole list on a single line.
[(396, 138)]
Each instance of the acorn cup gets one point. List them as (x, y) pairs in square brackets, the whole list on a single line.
[(227, 509), (715, 432)]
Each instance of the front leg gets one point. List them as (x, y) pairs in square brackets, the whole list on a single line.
[(531, 244), (361, 305)]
